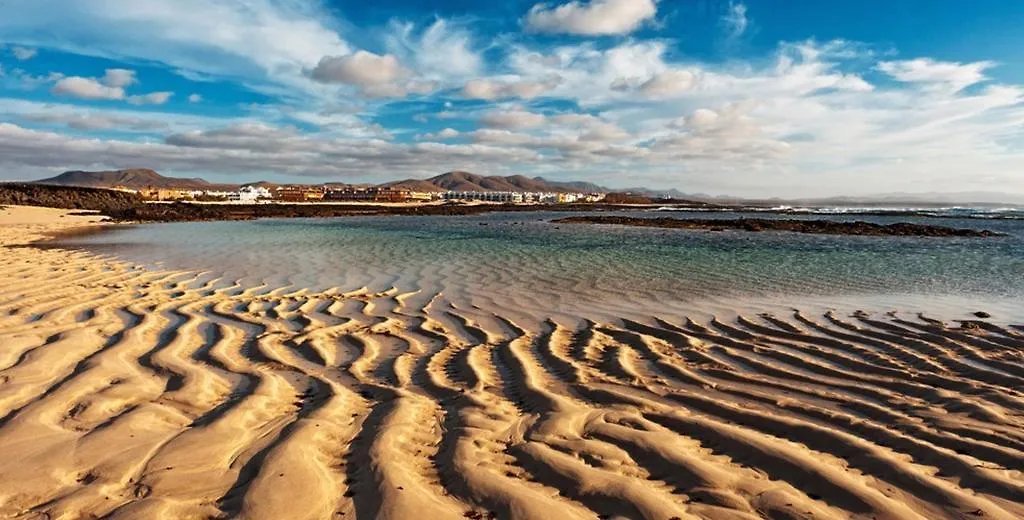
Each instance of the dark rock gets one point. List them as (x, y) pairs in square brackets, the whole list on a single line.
[(819, 227)]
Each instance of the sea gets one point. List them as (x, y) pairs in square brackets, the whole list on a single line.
[(521, 263)]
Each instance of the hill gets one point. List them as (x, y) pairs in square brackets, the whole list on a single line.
[(414, 185), (574, 186), (465, 181), (133, 178), (452, 181)]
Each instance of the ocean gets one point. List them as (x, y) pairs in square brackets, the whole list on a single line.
[(522, 264)]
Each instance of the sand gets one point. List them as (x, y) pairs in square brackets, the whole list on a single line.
[(129, 393)]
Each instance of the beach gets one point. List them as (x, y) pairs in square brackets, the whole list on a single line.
[(132, 391)]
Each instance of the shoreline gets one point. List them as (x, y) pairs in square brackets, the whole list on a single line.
[(130, 207), (150, 393)]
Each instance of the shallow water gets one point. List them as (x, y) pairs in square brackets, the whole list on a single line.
[(520, 262)]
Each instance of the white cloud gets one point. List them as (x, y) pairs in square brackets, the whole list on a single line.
[(248, 151), (702, 117), (118, 118), (364, 69), (735, 20), (597, 17), (669, 83), (195, 98), (490, 89), (956, 76), (587, 74), (372, 74), (512, 119), (810, 117), (19, 79), (447, 133), (86, 88), (109, 87), (268, 43), (153, 98), (502, 137), (23, 53), (242, 136), (119, 78), (443, 52), (592, 128), (88, 121)]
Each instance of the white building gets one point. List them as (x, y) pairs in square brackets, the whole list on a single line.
[(249, 194), (515, 197)]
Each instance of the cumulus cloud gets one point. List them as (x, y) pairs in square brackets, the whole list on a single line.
[(447, 133), (489, 90), (248, 151), (24, 53), (669, 83), (372, 74), (512, 119), (153, 98), (118, 78), (595, 18), (807, 116), (120, 118), (109, 87), (242, 136), (267, 43), (956, 76), (592, 128), (89, 121), (86, 88), (364, 69), (19, 79)]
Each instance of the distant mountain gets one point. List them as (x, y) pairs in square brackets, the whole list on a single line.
[(419, 185), (451, 181), (465, 181), (575, 186), (134, 179)]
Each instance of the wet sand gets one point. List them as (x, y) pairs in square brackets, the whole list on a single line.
[(135, 393)]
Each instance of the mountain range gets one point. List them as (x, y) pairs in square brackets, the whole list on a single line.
[(466, 181), (133, 178), (451, 181)]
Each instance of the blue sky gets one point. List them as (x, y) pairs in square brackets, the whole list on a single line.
[(754, 97)]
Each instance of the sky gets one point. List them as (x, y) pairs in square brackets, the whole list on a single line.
[(737, 97)]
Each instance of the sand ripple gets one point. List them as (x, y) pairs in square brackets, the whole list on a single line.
[(128, 393)]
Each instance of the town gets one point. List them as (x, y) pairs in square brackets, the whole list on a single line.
[(254, 194)]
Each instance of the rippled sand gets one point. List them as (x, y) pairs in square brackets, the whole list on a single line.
[(132, 393)]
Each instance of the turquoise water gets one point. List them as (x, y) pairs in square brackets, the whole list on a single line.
[(522, 261)]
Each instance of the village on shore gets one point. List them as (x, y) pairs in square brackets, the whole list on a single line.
[(253, 194)]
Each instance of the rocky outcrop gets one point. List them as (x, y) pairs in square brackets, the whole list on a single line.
[(64, 197), (818, 227)]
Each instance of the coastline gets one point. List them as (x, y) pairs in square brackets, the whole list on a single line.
[(144, 394), (130, 207)]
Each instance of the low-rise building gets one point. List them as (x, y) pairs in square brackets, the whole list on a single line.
[(508, 197), (166, 194), (368, 194), (298, 193), (515, 197), (249, 194)]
